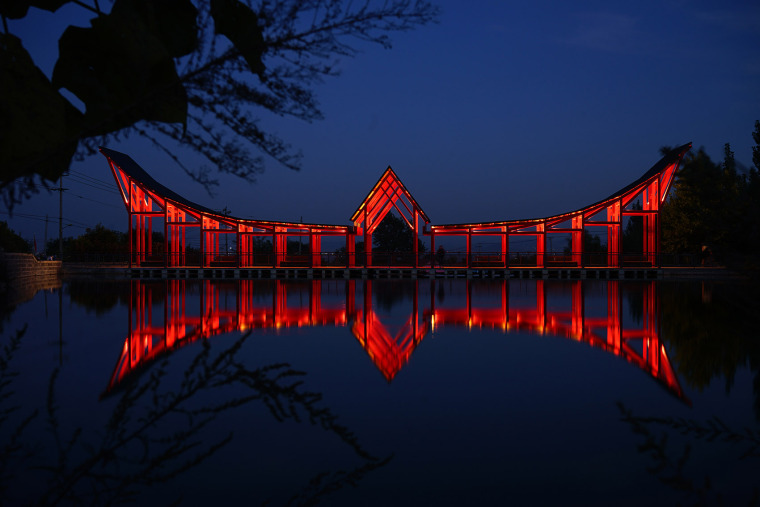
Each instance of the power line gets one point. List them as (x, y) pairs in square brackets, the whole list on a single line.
[(83, 180), (26, 215), (21, 215), (93, 181), (87, 176), (41, 218), (99, 186), (72, 221), (96, 201)]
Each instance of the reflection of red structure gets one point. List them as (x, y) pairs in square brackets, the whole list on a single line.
[(389, 353), (223, 307), (638, 345), (152, 207)]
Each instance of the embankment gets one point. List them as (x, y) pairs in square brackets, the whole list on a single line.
[(22, 275)]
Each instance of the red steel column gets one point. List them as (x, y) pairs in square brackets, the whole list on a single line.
[(540, 245), (576, 241)]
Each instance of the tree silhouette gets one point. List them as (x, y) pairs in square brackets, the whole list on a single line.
[(393, 235), (195, 72), (159, 428), (714, 205), (10, 241)]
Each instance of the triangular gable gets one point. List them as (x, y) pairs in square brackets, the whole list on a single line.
[(388, 193), (389, 353)]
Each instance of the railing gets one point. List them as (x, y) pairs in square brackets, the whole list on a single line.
[(463, 260), (685, 260), (96, 257)]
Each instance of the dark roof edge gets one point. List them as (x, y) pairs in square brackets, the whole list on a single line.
[(377, 183), (133, 169), (665, 161)]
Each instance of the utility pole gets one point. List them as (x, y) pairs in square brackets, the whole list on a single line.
[(60, 190), (60, 218)]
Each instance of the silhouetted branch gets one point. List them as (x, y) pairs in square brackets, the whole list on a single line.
[(327, 483), (215, 84), (13, 453), (669, 470), (136, 449)]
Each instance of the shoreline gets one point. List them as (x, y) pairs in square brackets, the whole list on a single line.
[(122, 271)]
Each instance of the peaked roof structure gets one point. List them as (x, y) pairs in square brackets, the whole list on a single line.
[(663, 172), (137, 173), (153, 207), (385, 195)]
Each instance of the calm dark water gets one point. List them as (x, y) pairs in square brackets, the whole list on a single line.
[(442, 392)]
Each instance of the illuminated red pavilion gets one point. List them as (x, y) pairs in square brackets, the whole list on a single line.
[(194, 235)]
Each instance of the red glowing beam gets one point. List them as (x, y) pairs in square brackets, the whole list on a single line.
[(150, 204), (153, 334)]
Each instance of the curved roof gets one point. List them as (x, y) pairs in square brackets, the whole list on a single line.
[(671, 157), (133, 170)]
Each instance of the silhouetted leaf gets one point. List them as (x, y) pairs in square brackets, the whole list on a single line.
[(14, 9), (122, 70), (677, 482), (48, 5), (40, 128), (174, 22), (17, 9), (240, 25)]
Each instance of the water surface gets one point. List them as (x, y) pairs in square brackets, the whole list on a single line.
[(382, 392)]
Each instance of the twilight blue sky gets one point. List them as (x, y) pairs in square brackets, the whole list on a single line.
[(502, 110)]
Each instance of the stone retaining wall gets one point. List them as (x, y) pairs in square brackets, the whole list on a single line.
[(21, 276), (19, 268)]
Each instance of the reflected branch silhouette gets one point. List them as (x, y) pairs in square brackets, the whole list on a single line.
[(671, 470), (711, 329), (13, 448), (239, 306), (166, 407), (156, 429), (325, 483)]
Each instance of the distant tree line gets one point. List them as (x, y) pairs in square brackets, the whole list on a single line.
[(99, 241), (713, 209), (11, 242)]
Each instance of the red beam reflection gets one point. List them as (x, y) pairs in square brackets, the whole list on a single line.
[(167, 315), (389, 352)]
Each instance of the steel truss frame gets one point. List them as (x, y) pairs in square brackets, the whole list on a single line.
[(148, 201), (151, 206), (223, 308), (642, 198)]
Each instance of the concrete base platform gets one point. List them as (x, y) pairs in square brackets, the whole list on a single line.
[(428, 273)]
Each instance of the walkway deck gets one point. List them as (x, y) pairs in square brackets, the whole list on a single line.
[(189, 273)]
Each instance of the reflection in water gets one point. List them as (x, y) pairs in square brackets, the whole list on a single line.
[(712, 332), (669, 466), (157, 430), (170, 314), (470, 420)]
